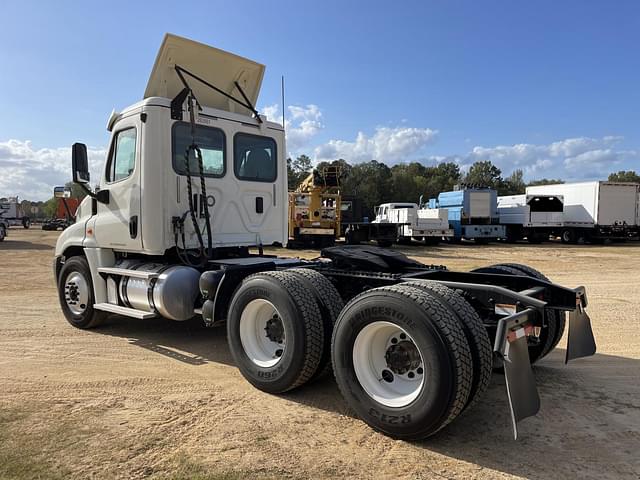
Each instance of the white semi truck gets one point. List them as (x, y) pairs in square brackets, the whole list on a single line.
[(595, 211), (195, 177), (420, 223), (12, 213), (534, 217)]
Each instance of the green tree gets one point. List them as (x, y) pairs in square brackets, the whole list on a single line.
[(370, 181), (49, 208), (484, 174), (544, 181), (625, 176), (513, 185)]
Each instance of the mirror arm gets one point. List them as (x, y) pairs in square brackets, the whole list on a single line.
[(86, 189), (102, 196)]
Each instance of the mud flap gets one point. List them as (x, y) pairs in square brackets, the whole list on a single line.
[(524, 400), (580, 342), (511, 345)]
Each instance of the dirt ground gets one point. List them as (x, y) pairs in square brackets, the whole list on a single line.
[(163, 399)]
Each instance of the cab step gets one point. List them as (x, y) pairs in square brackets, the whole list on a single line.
[(125, 311), (125, 272)]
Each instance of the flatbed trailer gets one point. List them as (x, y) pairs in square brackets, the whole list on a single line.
[(411, 345)]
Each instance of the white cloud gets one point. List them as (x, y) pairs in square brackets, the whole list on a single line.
[(387, 144), (32, 173), (571, 158), (303, 124)]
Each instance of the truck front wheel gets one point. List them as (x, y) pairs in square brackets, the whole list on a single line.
[(3, 233), (75, 293)]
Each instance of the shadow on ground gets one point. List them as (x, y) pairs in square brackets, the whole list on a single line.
[(588, 426), (8, 244)]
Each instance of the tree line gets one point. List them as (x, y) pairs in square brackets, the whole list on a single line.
[(374, 182)]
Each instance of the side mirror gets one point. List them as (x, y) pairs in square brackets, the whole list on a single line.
[(61, 192), (80, 163)]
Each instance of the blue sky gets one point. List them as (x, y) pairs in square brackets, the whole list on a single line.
[(550, 87)]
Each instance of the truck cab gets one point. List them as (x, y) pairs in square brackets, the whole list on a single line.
[(148, 194)]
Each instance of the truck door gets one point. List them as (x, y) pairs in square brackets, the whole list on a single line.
[(255, 168), (117, 223)]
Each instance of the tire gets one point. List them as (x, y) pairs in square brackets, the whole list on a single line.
[(549, 333), (268, 364), (432, 241), (350, 238), (558, 317), (481, 241), (3, 233), (474, 330), (568, 235), (26, 223), (380, 316), (330, 304), (512, 235), (385, 243), (75, 293)]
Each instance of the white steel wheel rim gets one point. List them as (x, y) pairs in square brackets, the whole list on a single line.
[(262, 350), (369, 362), (76, 293)]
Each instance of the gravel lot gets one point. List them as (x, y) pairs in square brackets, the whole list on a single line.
[(160, 398)]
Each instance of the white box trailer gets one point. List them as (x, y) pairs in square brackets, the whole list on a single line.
[(533, 217), (595, 211)]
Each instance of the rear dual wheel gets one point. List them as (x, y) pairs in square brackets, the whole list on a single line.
[(552, 332), (403, 362), (279, 327)]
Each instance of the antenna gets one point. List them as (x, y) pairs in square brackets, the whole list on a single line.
[(282, 88)]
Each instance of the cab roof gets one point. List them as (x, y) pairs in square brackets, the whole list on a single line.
[(217, 67)]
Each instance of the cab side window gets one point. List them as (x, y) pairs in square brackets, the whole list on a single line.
[(122, 161), (254, 158)]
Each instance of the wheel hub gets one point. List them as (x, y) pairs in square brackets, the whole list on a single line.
[(76, 293), (402, 357), (275, 329)]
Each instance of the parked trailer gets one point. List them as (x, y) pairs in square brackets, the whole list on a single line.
[(411, 344), (413, 222), (13, 215), (595, 211), (472, 213), (534, 217), (400, 223)]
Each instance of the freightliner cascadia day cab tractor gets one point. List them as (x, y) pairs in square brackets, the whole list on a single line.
[(195, 177)]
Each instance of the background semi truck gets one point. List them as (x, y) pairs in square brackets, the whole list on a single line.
[(400, 222), (595, 211), (195, 179), (13, 214), (472, 213), (534, 217)]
